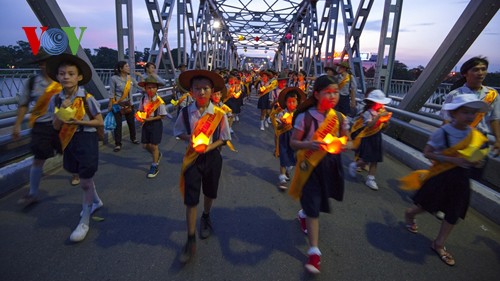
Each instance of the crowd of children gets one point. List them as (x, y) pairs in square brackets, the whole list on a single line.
[(311, 129)]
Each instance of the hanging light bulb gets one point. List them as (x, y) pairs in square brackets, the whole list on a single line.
[(257, 38), (241, 38)]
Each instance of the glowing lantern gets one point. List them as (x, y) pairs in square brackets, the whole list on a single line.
[(65, 113), (287, 118), (386, 118), (257, 38), (140, 116), (333, 145), (237, 94), (241, 38), (288, 36), (200, 142)]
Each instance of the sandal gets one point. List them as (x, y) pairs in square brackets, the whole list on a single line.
[(135, 141), (75, 180), (443, 254), (411, 224), (117, 148)]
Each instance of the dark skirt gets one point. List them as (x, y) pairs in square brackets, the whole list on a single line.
[(287, 154), (234, 104), (326, 181), (263, 102), (448, 192), (370, 149)]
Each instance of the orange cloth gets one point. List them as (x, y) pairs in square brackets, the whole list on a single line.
[(68, 130), (42, 104)]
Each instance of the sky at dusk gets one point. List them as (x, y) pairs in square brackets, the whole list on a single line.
[(424, 26)]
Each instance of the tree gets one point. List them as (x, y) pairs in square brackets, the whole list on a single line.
[(105, 58)]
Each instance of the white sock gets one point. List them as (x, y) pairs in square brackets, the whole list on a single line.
[(302, 215), (314, 251)]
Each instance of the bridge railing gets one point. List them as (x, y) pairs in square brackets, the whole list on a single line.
[(13, 150)]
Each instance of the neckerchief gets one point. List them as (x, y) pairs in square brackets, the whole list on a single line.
[(308, 159), (415, 179), (42, 104), (68, 130), (206, 125), (489, 99)]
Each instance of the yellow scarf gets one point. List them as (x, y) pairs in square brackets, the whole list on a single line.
[(308, 159), (473, 141), (149, 108), (206, 125), (68, 130), (180, 100), (268, 88), (489, 99), (126, 90), (365, 131), (344, 81), (42, 104)]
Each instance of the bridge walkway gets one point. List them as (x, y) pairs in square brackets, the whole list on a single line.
[(256, 234)]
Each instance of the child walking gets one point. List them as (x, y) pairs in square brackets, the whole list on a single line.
[(151, 112), (454, 149), (288, 99), (318, 175), (366, 133), (78, 134), (206, 128)]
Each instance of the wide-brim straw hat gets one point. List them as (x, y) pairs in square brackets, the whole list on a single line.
[(186, 77), (282, 95), (467, 100), (54, 62), (150, 80), (378, 96)]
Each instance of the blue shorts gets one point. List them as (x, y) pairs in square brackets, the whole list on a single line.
[(81, 156)]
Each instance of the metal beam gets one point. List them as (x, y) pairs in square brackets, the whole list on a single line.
[(49, 14), (125, 31), (469, 25)]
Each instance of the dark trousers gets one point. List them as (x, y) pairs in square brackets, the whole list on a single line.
[(118, 130)]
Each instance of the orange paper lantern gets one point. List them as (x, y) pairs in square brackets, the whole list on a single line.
[(140, 116), (333, 145), (287, 118), (200, 142), (386, 118)]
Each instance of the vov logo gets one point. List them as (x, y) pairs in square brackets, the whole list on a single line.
[(54, 40)]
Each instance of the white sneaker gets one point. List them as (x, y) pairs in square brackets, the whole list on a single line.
[(95, 207), (79, 233), (352, 169), (267, 124), (262, 127), (372, 184), (282, 179)]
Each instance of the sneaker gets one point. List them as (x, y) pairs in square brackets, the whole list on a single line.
[(153, 171), (352, 169), (27, 200), (262, 127), (440, 215), (372, 184), (188, 251), (95, 207), (302, 222), (79, 233), (205, 227), (117, 148), (267, 124), (269, 120), (135, 141), (313, 264), (282, 185)]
